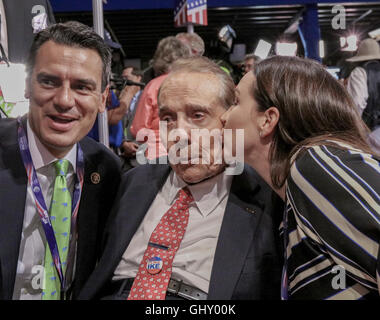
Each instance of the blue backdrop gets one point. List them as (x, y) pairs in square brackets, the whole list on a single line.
[(86, 5)]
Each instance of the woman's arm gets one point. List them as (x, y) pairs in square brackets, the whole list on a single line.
[(335, 196)]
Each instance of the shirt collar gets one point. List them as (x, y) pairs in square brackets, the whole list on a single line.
[(41, 157), (207, 194)]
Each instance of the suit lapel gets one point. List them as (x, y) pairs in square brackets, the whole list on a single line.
[(235, 237), (13, 186), (137, 203), (84, 220), (131, 206)]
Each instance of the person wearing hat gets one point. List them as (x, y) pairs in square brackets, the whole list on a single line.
[(364, 84)]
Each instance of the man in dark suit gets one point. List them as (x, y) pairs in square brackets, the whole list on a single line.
[(230, 248), (67, 85)]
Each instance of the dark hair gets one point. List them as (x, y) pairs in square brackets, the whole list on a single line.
[(73, 34), (313, 107)]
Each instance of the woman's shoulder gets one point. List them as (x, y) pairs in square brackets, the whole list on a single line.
[(330, 160), (333, 151)]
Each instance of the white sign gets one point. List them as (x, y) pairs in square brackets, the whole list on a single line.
[(12, 84)]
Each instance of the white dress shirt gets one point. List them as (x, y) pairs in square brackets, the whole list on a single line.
[(33, 240), (194, 259), (358, 89), (3, 29)]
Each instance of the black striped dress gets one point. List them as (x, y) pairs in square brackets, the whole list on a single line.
[(332, 225)]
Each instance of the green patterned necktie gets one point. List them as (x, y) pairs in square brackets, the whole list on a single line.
[(60, 216)]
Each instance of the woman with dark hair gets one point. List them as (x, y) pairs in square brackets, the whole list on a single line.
[(304, 136)]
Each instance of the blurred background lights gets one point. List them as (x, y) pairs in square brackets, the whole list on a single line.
[(286, 48)]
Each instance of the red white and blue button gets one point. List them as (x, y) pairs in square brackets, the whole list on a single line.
[(154, 265)]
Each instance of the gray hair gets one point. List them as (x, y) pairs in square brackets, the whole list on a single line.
[(73, 34), (255, 58), (194, 41), (168, 50), (207, 66)]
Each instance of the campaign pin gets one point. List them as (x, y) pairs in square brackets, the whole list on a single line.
[(95, 178), (154, 265)]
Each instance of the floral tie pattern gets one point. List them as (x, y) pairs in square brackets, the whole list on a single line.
[(155, 269), (60, 216)]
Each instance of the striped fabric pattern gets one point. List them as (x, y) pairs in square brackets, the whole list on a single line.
[(333, 225)]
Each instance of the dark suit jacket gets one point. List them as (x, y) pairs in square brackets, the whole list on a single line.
[(247, 263), (95, 205)]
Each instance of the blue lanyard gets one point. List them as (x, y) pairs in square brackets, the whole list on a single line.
[(40, 201)]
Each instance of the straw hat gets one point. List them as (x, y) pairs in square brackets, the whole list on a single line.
[(369, 49)]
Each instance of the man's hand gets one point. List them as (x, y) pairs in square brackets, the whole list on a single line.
[(129, 92), (129, 149), (125, 98)]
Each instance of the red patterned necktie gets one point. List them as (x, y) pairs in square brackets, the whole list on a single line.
[(155, 269)]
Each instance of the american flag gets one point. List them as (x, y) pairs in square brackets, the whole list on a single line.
[(190, 11)]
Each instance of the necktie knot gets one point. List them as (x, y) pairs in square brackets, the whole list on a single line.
[(185, 196), (61, 167)]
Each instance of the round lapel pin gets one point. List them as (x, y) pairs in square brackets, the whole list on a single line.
[(95, 178), (154, 265)]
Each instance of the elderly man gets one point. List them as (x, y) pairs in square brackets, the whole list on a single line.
[(56, 186), (189, 230)]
